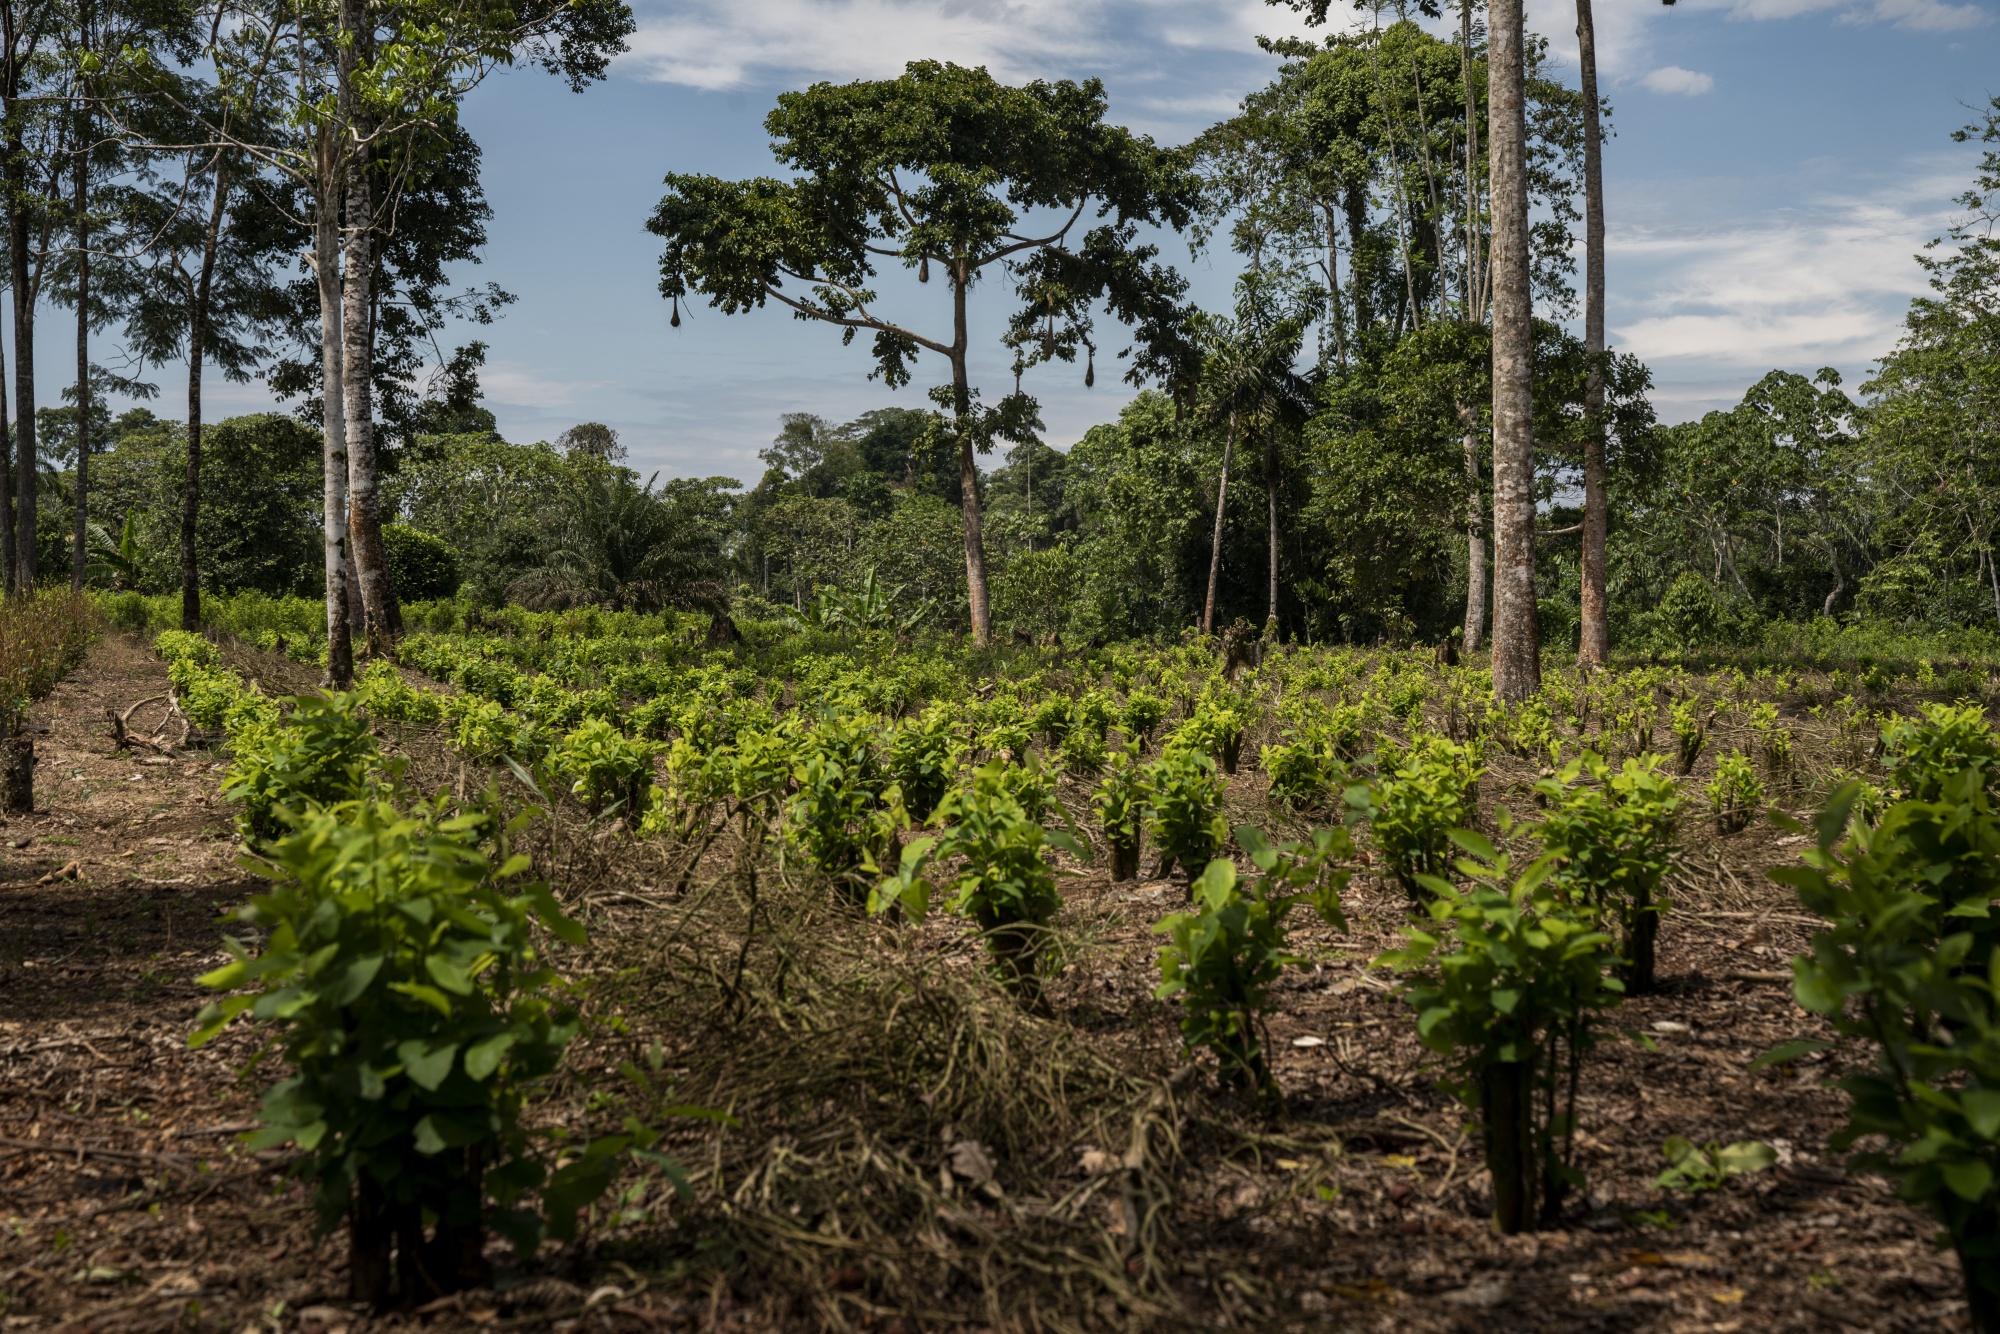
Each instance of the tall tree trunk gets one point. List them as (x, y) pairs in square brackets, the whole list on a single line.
[(968, 465), (1474, 276), (326, 272), (24, 358), (198, 298), (6, 486), (1215, 548), (1516, 646), (364, 512), (1475, 532), (1595, 647), (1271, 508), (81, 185), (364, 518)]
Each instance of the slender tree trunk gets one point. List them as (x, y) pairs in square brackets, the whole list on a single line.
[(1516, 647), (364, 514), (81, 183), (198, 298), (1271, 508), (326, 270), (1475, 279), (6, 486), (1215, 548), (968, 465), (1595, 647), (24, 361), (1475, 532), (1506, 1106)]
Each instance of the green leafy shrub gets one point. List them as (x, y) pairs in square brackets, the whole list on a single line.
[(1774, 742), (1002, 879), (1121, 801), (1735, 793), (1613, 841), (402, 987), (1944, 741), (830, 818), (922, 755), (1910, 968), (1690, 729), (1083, 754), (483, 730), (1225, 953), (1703, 1167), (1420, 794), (1508, 982), (1185, 818), (423, 567), (1304, 773), (386, 695), (319, 754), (608, 771), (1142, 715)]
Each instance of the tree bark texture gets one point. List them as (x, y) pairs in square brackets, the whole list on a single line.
[(1506, 1105), (1516, 641), (1594, 649), (198, 299), (81, 187), (1215, 547), (364, 510), (24, 362), (1475, 531), (326, 266), (968, 465), (1271, 522)]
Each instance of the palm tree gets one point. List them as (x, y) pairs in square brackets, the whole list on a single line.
[(626, 547), (1250, 382)]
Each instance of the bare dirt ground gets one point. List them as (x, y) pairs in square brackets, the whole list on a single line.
[(127, 1204)]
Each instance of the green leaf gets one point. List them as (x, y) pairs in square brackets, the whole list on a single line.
[(430, 996), (427, 1068), (427, 1139), (1982, 1107), (1968, 1178), (452, 977), (483, 1058), (226, 978), (359, 974)]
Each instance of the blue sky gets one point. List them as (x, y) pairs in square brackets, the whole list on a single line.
[(1775, 166)]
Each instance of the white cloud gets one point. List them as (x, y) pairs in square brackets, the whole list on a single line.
[(1824, 283), (1921, 15), (1162, 52), (1674, 79)]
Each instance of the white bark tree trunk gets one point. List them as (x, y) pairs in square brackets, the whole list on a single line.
[(1516, 639)]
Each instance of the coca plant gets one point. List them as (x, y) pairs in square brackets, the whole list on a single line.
[(400, 985), (1226, 951), (1611, 832), (1120, 801), (1909, 964), (1508, 978), (1000, 875)]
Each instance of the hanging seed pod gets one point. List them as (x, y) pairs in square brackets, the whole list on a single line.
[(1090, 369), (675, 322), (924, 269)]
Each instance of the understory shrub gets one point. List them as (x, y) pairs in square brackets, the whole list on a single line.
[(400, 983), (1908, 965), (1120, 801), (1735, 793), (1420, 794), (1227, 950), (1613, 841), (1507, 981), (1185, 815), (999, 877)]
